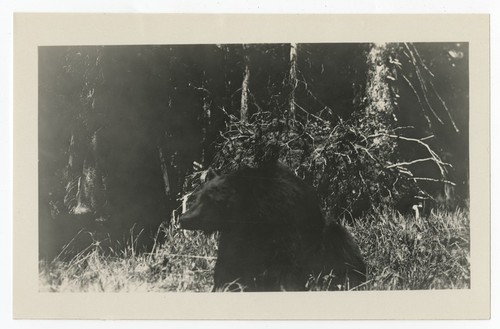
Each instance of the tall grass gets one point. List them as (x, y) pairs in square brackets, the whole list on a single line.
[(184, 262), (401, 252)]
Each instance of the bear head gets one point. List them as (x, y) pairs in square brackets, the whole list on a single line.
[(215, 205)]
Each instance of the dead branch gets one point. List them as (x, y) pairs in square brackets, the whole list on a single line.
[(420, 60), (307, 113), (434, 180), (418, 98), (435, 158), (409, 163), (445, 107)]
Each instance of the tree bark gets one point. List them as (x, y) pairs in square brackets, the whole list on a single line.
[(244, 87), (380, 109), (293, 77)]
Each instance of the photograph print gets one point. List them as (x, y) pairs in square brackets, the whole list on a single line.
[(260, 167)]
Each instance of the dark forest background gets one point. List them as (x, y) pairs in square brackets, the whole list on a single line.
[(125, 132)]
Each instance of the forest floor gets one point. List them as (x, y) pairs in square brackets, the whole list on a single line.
[(401, 253)]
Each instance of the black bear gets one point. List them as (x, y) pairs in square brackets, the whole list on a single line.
[(338, 265), (273, 235)]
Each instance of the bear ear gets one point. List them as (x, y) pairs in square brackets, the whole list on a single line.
[(208, 175)]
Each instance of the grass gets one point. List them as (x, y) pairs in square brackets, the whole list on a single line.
[(401, 253), (184, 263)]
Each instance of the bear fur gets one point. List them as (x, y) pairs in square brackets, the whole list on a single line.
[(273, 236)]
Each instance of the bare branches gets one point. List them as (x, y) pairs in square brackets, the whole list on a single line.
[(309, 114), (311, 94), (434, 157), (418, 63), (361, 159), (421, 81), (418, 98), (409, 163), (444, 106)]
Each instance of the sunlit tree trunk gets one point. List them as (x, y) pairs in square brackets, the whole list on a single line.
[(293, 77), (244, 86), (380, 109)]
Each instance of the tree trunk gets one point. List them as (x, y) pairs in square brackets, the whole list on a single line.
[(244, 87), (293, 78), (164, 170), (206, 114), (380, 108)]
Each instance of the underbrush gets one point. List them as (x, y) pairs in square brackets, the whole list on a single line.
[(401, 252)]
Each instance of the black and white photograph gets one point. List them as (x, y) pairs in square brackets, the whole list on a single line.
[(237, 170), (254, 167)]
